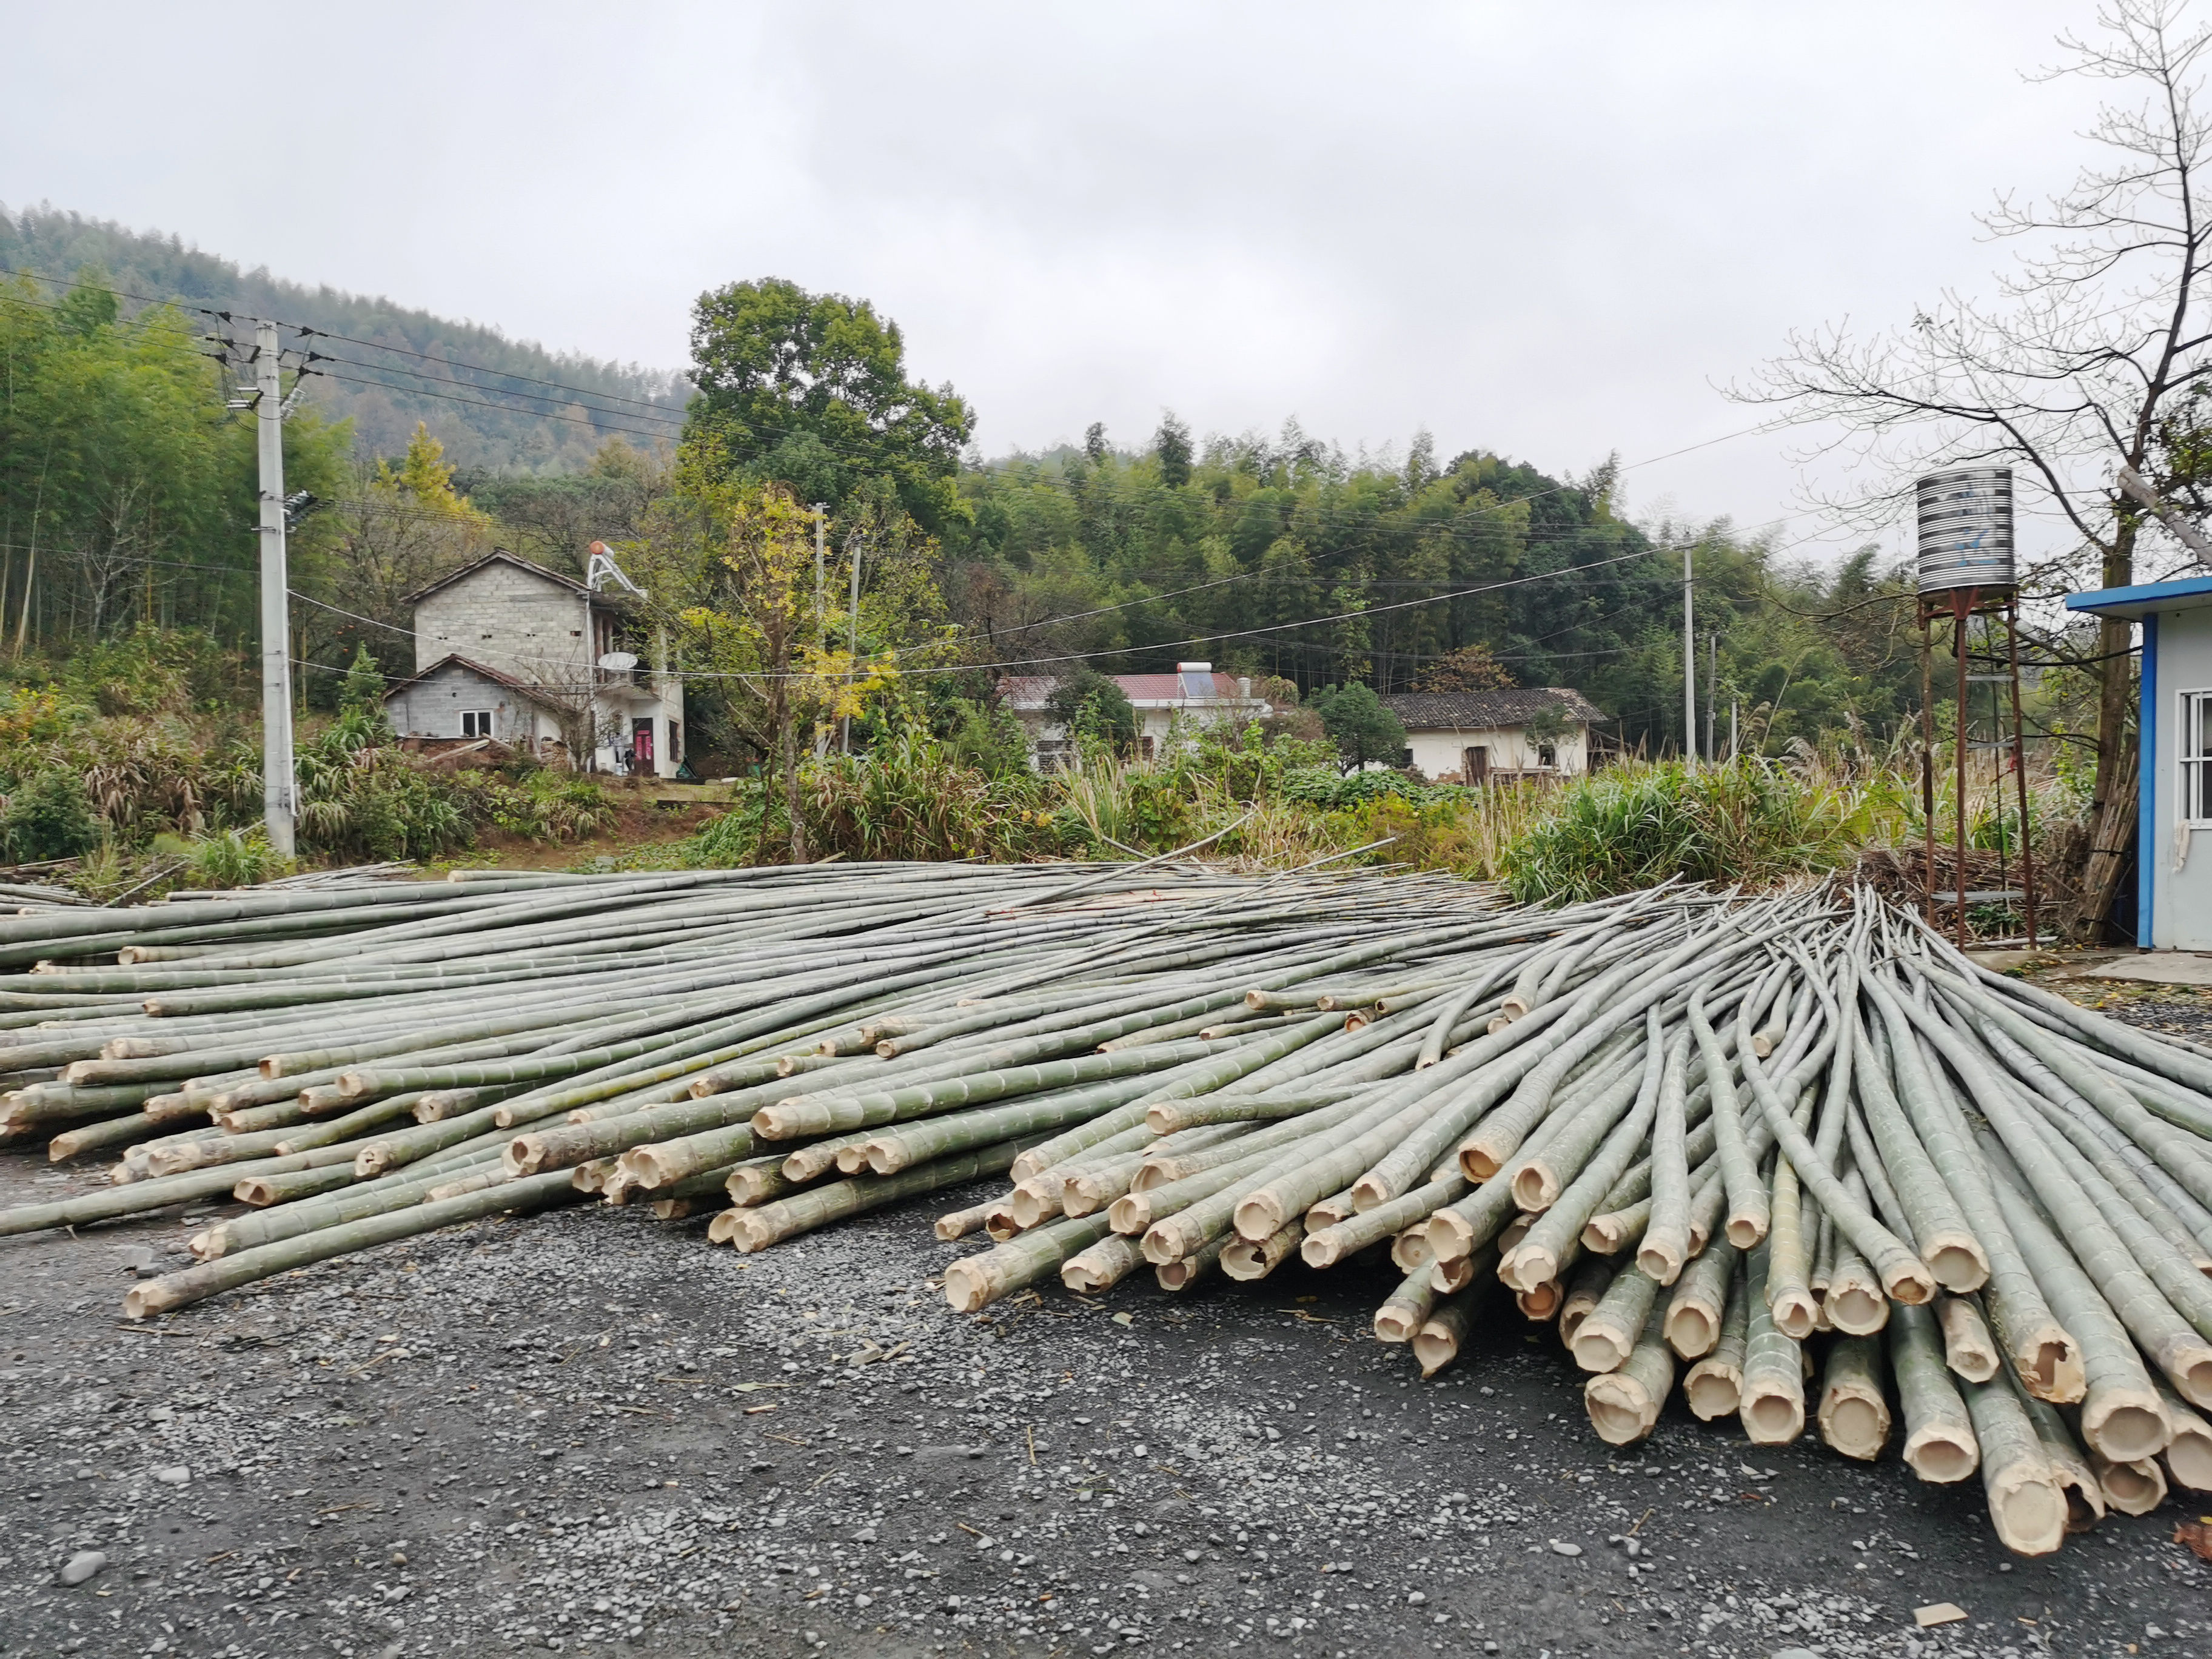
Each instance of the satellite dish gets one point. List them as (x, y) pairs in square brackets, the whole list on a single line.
[(618, 662)]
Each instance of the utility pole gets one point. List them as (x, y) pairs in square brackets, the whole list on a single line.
[(1712, 689), (855, 636), (278, 795), (1689, 665), (821, 588)]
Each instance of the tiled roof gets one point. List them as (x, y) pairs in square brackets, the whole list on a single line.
[(497, 677), (1476, 711), (1029, 691), (497, 556)]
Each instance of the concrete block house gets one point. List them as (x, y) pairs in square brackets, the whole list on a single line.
[(1193, 694), (508, 651), (1479, 737)]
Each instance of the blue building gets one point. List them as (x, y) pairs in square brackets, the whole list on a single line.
[(2174, 870)]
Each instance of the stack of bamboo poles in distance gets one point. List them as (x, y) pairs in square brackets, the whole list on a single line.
[(1709, 1137)]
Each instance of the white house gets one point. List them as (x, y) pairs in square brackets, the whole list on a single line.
[(2173, 868), (1193, 693), (1474, 737), (508, 650)]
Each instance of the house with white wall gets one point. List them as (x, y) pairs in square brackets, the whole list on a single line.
[(2174, 823), (1194, 695), (507, 650), (1479, 737)]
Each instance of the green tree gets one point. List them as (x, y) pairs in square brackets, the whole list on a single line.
[(1358, 723), (1091, 705), (1172, 444), (811, 390)]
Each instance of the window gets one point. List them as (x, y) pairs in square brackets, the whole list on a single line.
[(476, 722), (2197, 757), (1547, 756)]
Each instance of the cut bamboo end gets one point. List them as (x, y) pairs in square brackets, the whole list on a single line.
[(2049, 1365), (1692, 1326), (2189, 1454), (1856, 1307), (256, 1190), (1535, 1186), (1245, 1260), (1745, 1229), (592, 1174), (1910, 1282), (1367, 1191), (1942, 1453), (960, 1223), (1396, 1321), (1329, 1212), (1713, 1389), (722, 1228), (1479, 1160), (1796, 1313), (1035, 1201), (2136, 1487), (2188, 1365), (751, 1230), (851, 1160), (1260, 1215), (1026, 1166), (886, 1157), (1541, 1303), (1599, 1347), (1621, 1409), (1131, 1214), (1105, 1263), (1660, 1260), (998, 1221), (1772, 1415), (155, 1296), (1451, 1278), (1969, 1350), (522, 1156), (1854, 1419), (1957, 1261), (2125, 1423), (2027, 1507), (1449, 1236), (1409, 1250), (1526, 1266), (1606, 1235), (207, 1245)]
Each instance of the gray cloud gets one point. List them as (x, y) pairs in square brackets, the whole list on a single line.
[(1546, 230)]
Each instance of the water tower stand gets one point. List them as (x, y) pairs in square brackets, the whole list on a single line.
[(1960, 605)]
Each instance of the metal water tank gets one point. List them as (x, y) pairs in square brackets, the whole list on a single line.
[(1965, 529)]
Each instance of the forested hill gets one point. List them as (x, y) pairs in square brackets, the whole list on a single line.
[(385, 392)]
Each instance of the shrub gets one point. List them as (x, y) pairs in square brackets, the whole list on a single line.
[(551, 806), (1752, 822), (47, 816), (911, 797), (232, 858)]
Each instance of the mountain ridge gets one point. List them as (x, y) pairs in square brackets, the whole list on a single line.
[(383, 390)]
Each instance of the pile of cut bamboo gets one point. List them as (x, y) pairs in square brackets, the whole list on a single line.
[(1700, 1133)]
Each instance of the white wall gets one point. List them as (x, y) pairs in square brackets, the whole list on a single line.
[(433, 707), (1438, 751), (2181, 903)]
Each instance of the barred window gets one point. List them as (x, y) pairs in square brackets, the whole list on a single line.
[(2197, 757)]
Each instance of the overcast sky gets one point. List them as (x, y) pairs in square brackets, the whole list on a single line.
[(1551, 231)]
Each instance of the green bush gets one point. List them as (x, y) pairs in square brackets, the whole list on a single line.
[(232, 858), (47, 816), (551, 806), (1752, 822)]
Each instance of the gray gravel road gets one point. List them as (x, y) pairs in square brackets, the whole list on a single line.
[(592, 1433)]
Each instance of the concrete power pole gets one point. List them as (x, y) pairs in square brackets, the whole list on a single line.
[(1689, 666), (278, 795), (1712, 691), (821, 594)]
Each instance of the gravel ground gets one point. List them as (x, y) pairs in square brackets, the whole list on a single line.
[(590, 1432)]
